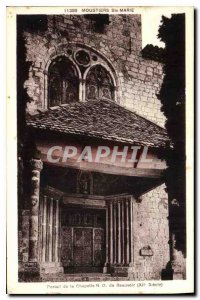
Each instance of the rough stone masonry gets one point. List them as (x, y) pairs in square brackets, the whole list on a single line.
[(139, 79)]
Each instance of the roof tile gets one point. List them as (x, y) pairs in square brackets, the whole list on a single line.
[(101, 119)]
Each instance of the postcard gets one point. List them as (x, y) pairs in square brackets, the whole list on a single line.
[(100, 124)]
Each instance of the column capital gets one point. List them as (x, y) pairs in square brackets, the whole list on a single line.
[(36, 164)]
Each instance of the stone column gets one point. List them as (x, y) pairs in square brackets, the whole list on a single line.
[(131, 234), (51, 230), (123, 234), (57, 231), (82, 90), (25, 235), (119, 232), (121, 237), (36, 167), (127, 234), (106, 263), (111, 233), (44, 229), (115, 231)]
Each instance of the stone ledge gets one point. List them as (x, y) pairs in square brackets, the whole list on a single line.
[(51, 268), (122, 271)]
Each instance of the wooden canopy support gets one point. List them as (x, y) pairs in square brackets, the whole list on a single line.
[(110, 169)]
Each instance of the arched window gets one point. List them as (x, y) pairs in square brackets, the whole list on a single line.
[(99, 84), (63, 82)]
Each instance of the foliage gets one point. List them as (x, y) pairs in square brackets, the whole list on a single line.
[(172, 96)]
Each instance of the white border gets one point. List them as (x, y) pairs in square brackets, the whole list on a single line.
[(10, 108)]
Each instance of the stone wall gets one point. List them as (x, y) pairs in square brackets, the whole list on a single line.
[(151, 234), (139, 79)]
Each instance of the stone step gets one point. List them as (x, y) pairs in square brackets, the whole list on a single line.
[(80, 277), (51, 269), (51, 264)]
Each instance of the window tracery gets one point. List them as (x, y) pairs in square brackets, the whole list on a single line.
[(80, 77), (99, 84), (63, 82)]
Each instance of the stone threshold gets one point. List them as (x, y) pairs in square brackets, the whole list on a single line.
[(81, 277)]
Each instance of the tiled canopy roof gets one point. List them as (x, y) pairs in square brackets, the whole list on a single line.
[(103, 119)]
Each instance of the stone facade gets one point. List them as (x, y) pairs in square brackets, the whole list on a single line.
[(148, 228), (151, 238), (139, 80), (135, 223)]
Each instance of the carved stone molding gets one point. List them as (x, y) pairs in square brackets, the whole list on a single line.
[(36, 164), (36, 167)]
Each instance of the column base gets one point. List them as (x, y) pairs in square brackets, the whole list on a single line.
[(105, 270), (28, 272), (173, 272), (31, 266), (178, 272), (51, 268), (32, 271), (122, 271)]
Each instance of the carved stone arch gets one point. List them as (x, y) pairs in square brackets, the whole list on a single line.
[(105, 67), (106, 62), (99, 83), (62, 49), (100, 54), (46, 76), (58, 55), (63, 82)]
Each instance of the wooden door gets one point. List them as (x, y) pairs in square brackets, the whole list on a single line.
[(83, 240), (99, 247), (83, 255)]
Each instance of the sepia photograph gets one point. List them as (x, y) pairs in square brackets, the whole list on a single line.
[(101, 145)]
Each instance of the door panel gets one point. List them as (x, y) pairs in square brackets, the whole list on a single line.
[(67, 246), (82, 247), (99, 247), (83, 240)]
